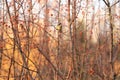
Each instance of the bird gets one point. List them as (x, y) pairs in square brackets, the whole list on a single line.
[(59, 27)]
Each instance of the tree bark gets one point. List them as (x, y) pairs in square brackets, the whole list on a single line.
[(74, 41)]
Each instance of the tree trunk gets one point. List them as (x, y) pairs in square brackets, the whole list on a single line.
[(74, 41)]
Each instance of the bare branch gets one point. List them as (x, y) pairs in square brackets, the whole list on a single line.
[(107, 3), (115, 3)]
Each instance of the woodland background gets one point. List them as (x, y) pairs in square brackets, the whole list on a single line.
[(59, 39)]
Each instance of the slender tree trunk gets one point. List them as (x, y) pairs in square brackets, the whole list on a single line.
[(74, 41), (70, 33), (59, 40), (85, 48), (46, 22), (112, 40), (69, 22), (46, 39), (1, 33), (112, 44)]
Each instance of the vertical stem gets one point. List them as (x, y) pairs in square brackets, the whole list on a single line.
[(107, 2), (69, 24), (8, 78), (74, 40), (70, 33), (58, 30), (46, 21), (46, 37), (112, 44), (28, 30), (14, 40), (86, 26), (1, 34), (99, 24), (59, 36)]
